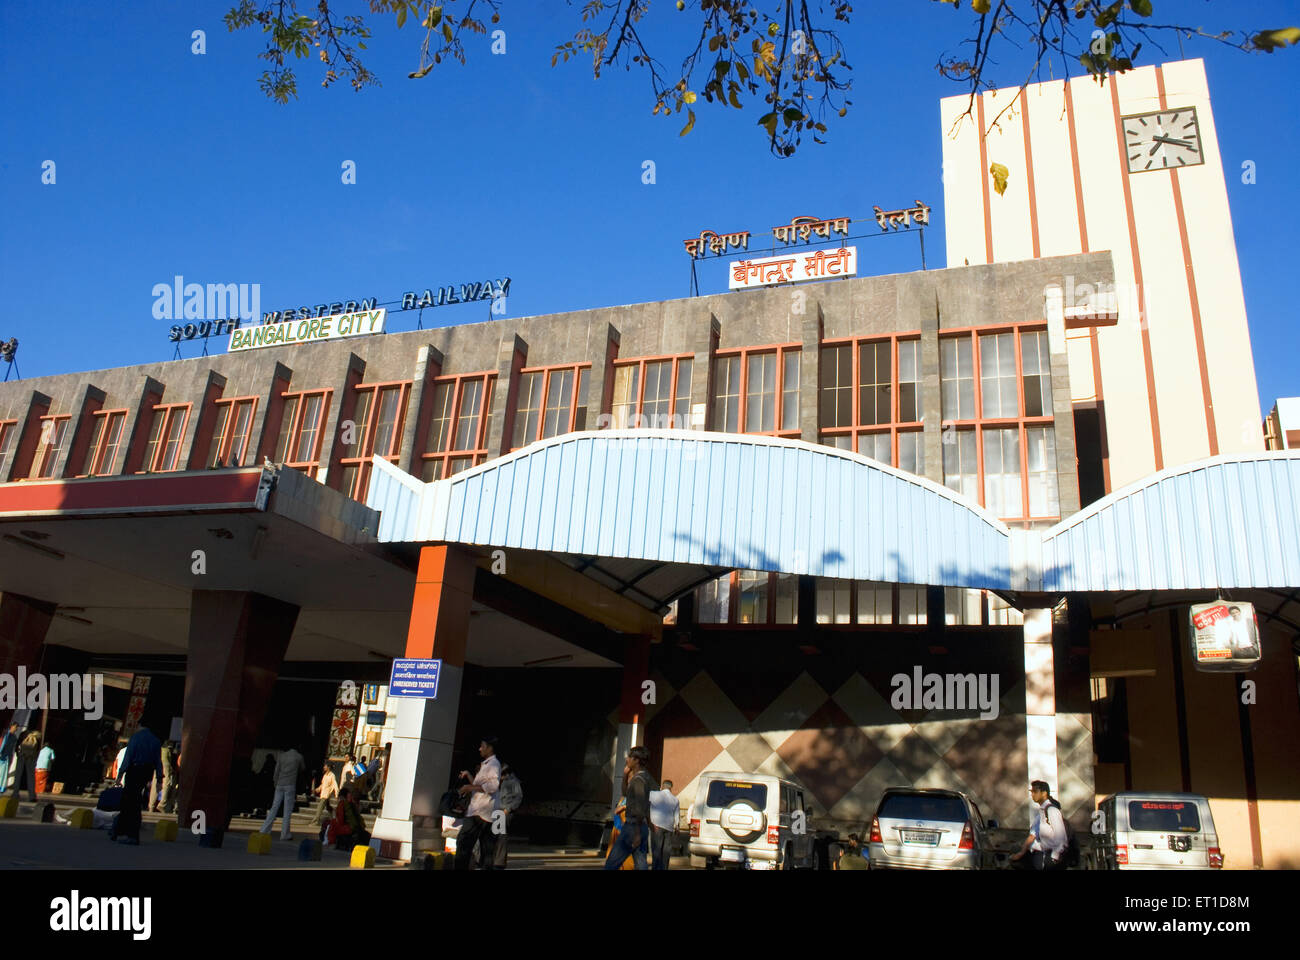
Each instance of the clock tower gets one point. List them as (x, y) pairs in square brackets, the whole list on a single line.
[(1161, 370)]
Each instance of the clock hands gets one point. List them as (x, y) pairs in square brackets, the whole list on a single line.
[(1175, 142)]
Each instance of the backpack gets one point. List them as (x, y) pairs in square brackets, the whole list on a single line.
[(1070, 858), (510, 794)]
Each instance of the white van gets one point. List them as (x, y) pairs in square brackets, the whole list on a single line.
[(746, 819), (1155, 831)]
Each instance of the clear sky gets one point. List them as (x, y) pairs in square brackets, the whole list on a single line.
[(169, 163)]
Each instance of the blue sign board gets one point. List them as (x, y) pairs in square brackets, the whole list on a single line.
[(415, 678)]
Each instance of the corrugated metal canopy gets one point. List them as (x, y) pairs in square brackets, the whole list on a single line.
[(652, 513)]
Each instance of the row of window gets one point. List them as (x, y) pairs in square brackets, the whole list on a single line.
[(998, 440), (753, 597)]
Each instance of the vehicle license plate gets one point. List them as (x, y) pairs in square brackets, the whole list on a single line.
[(732, 855), (927, 837)]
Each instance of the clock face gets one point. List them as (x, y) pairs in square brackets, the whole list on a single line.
[(1164, 140)]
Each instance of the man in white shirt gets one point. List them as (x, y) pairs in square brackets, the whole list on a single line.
[(1048, 837), (287, 768), (664, 812), (477, 827), (1238, 633)]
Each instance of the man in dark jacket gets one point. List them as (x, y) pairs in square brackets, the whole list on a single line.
[(633, 838), (143, 761)]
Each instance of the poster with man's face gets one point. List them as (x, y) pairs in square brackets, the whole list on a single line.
[(1225, 636)]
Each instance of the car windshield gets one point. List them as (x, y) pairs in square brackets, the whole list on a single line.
[(920, 806), (1164, 816), (722, 792)]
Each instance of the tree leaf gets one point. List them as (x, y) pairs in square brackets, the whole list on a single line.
[(1141, 7), (792, 115), (401, 17), (1268, 40), (689, 96), (980, 6), (1000, 174), (769, 121), (690, 122)]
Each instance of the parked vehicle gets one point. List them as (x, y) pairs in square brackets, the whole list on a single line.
[(1156, 831), (747, 820), (930, 830)]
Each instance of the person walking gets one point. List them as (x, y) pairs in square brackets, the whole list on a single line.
[(349, 771), (43, 761), (665, 809), (8, 747), (328, 790), (481, 791), (508, 799), (287, 768), (1048, 838), (852, 858), (167, 799), (28, 749), (633, 838), (142, 762)]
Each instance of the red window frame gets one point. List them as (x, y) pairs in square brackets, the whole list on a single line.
[(679, 421), (980, 423), (783, 429), (95, 465), (8, 444), (294, 434), (856, 428), (435, 464), (581, 381), (49, 446), (356, 467), (155, 455), (223, 438)]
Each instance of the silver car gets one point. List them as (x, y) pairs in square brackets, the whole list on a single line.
[(1155, 831), (929, 830)]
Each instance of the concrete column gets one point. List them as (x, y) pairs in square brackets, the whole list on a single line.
[(1040, 696), (631, 710), (269, 415), (420, 767), (24, 622), (931, 395), (705, 345), (810, 364), (197, 443), (237, 642), (419, 408), (138, 420), (600, 389), (76, 443), (510, 360), (341, 409), (20, 466)]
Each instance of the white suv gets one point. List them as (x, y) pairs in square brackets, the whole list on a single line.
[(749, 820)]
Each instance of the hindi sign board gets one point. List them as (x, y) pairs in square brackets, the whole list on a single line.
[(793, 268), (360, 323), (1225, 636), (415, 678)]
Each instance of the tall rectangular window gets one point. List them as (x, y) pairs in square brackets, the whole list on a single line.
[(875, 603), (230, 435), (550, 401), (302, 430), (909, 381), (998, 376), (54, 431), (8, 440), (377, 419), (103, 456), (752, 597), (166, 433), (458, 426), (757, 391), (960, 468), (1002, 471), (837, 386), (871, 400), (1044, 497), (956, 378), (1037, 373), (876, 378), (665, 401)]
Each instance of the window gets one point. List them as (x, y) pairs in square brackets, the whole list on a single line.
[(551, 401), (1037, 373), (458, 428), (1004, 455), (166, 433), (652, 393), (230, 435), (757, 391), (871, 400), (867, 603), (749, 597), (8, 438), (54, 431), (301, 430), (377, 431), (963, 607), (103, 454), (1003, 614)]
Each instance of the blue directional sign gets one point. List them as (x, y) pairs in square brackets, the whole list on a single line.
[(415, 678)]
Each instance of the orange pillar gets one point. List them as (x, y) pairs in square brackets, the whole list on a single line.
[(420, 770)]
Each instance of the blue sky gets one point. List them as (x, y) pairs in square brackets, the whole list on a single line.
[(170, 163)]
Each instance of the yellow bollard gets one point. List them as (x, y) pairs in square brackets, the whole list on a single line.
[(165, 830), (259, 843), (363, 858), (83, 818), (8, 806)]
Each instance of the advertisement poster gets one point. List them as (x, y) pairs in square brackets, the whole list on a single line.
[(1225, 636)]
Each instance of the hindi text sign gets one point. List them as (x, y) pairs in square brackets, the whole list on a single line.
[(793, 268)]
